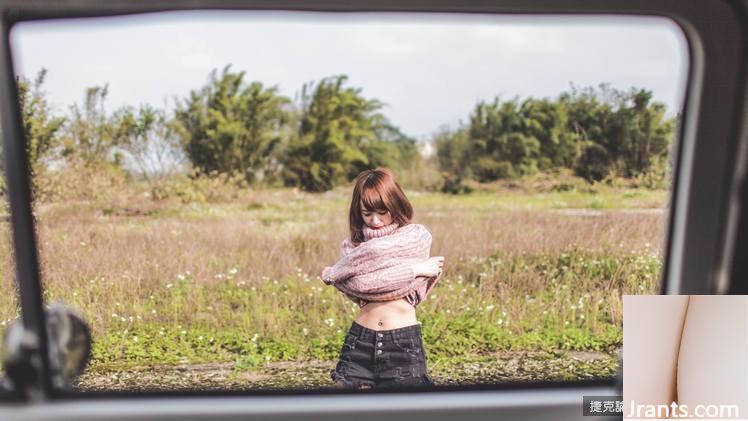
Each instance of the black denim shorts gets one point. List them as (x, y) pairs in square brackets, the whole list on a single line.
[(382, 358)]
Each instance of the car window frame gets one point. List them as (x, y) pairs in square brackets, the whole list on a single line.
[(695, 255)]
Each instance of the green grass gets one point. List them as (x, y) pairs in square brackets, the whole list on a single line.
[(305, 207), (488, 310)]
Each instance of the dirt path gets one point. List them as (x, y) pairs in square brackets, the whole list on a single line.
[(493, 368)]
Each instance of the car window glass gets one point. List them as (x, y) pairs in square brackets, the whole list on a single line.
[(193, 174)]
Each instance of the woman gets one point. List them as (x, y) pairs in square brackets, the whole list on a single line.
[(386, 269)]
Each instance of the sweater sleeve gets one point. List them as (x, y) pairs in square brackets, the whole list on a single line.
[(345, 247), (331, 274)]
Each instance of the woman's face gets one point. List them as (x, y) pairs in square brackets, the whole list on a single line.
[(375, 218)]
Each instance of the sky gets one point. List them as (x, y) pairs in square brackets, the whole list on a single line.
[(429, 69)]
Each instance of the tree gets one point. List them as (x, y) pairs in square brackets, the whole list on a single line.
[(631, 130), (594, 164), (149, 139), (596, 131), (453, 154), (41, 129), (546, 121), (90, 135), (646, 133), (589, 112), (498, 131), (231, 127), (337, 136)]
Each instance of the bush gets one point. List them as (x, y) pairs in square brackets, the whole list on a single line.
[(656, 177), (180, 188), (79, 181), (594, 163), (487, 170), (195, 188), (454, 184)]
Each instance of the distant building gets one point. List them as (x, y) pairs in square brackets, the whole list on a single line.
[(426, 148)]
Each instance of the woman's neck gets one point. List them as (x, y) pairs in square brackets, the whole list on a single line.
[(370, 233)]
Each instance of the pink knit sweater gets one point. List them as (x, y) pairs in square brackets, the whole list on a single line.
[(381, 267)]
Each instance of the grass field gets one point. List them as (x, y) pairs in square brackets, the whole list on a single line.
[(227, 295)]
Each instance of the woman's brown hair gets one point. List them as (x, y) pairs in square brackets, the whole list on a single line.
[(378, 190)]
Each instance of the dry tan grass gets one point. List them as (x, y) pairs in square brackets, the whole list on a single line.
[(143, 253), (140, 250)]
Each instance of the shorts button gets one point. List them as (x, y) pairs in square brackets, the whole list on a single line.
[(379, 335), (379, 344), (379, 351)]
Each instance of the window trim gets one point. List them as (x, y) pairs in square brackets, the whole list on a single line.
[(21, 218)]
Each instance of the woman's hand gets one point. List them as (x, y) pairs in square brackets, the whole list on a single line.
[(326, 275), (430, 267)]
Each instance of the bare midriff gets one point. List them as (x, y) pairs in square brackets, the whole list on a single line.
[(387, 315)]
